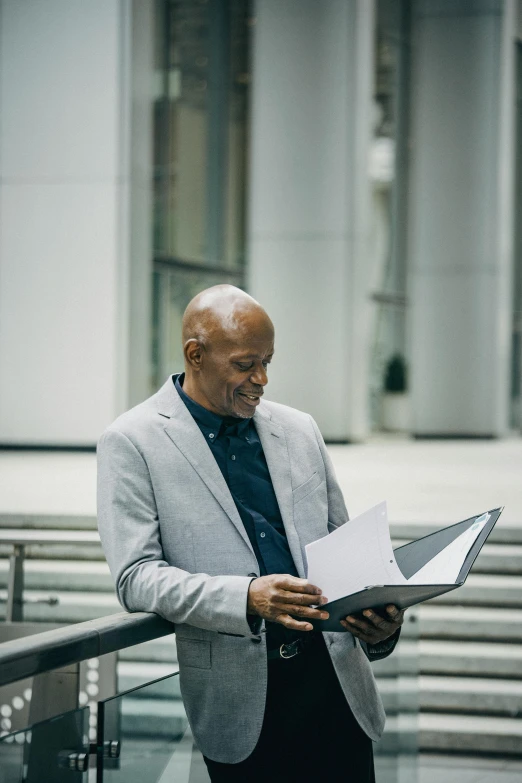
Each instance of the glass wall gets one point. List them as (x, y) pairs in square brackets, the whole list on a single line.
[(200, 144), (516, 374), (389, 173)]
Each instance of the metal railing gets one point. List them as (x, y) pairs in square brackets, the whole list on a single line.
[(52, 659), (18, 540), (99, 734), (44, 652)]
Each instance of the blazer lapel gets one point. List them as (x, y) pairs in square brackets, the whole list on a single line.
[(187, 437), (275, 447)]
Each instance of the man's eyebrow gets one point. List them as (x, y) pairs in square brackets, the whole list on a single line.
[(244, 357)]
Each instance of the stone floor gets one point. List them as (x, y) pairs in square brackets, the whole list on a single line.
[(422, 481), (432, 481)]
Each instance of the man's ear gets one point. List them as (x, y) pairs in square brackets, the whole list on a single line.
[(193, 351)]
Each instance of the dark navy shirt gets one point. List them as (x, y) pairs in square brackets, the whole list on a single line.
[(238, 451)]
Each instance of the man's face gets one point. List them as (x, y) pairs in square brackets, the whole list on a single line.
[(233, 370)]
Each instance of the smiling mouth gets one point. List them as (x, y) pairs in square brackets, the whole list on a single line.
[(250, 397)]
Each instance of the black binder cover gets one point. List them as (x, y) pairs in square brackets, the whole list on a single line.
[(410, 558)]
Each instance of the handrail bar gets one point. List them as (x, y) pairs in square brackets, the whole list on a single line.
[(19, 540), (21, 537), (43, 652)]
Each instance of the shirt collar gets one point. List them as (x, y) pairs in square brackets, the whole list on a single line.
[(212, 423)]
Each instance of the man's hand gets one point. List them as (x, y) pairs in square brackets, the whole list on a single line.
[(377, 628), (278, 596)]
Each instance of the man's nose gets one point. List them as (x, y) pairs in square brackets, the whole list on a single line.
[(259, 377)]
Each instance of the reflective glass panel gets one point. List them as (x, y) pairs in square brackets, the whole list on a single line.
[(200, 139), (48, 751), (147, 729), (388, 169), (396, 755)]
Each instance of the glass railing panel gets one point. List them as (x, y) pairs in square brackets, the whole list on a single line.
[(54, 751), (143, 735), (396, 755)]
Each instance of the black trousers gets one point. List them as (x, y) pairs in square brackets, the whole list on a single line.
[(309, 733)]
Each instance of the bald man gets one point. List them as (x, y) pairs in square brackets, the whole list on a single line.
[(207, 497)]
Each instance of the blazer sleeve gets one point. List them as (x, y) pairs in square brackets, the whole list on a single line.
[(130, 536), (337, 516)]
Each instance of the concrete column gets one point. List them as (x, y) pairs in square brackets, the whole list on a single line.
[(309, 203), (461, 217), (74, 216)]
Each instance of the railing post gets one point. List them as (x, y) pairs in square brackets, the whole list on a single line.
[(15, 586)]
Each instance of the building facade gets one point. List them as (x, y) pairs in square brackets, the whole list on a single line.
[(356, 166)]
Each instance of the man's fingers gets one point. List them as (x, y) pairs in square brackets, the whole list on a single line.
[(396, 615), (296, 585), (379, 622), (305, 611), (302, 599), (359, 626), (295, 625)]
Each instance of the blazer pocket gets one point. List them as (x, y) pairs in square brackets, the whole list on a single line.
[(194, 652), (303, 490)]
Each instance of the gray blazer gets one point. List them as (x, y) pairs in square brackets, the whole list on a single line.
[(176, 546)]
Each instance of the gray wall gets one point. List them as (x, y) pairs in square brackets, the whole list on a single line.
[(71, 313), (461, 231), (309, 206)]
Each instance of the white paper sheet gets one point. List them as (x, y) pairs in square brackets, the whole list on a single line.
[(359, 554), (444, 568)]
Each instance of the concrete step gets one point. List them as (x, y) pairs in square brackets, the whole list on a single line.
[(470, 734), (485, 590), (470, 658), (471, 695), (76, 575), (48, 521), (462, 695), (457, 657), (470, 623)]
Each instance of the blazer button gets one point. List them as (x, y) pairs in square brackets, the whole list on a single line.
[(256, 639), (252, 575)]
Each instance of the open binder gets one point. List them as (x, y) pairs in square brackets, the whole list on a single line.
[(408, 575)]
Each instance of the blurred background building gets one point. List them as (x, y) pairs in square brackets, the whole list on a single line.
[(356, 166)]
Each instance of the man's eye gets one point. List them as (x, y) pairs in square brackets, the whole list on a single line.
[(244, 366)]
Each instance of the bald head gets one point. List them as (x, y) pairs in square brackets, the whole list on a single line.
[(228, 342), (218, 311)]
